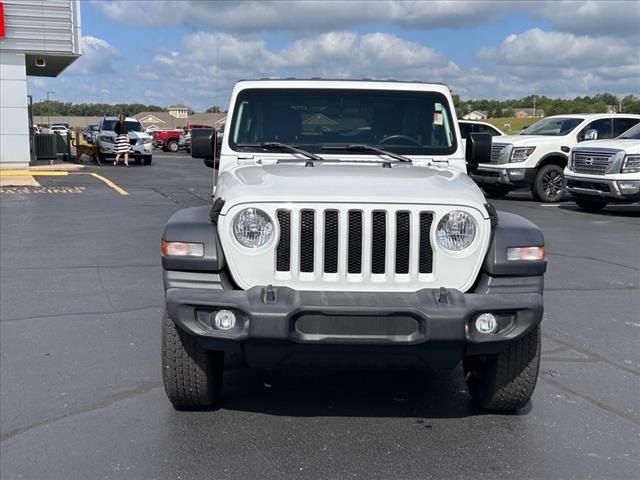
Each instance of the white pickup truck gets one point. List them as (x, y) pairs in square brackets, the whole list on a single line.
[(605, 171), (536, 158)]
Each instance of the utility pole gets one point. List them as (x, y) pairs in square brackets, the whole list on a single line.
[(49, 110), (534, 105), (620, 105)]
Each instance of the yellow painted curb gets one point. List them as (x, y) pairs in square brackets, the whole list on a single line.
[(26, 173)]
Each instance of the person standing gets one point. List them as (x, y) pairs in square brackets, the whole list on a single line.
[(122, 140)]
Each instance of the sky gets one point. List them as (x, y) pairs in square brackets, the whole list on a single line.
[(193, 51)]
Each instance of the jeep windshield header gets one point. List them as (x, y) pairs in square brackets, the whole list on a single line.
[(405, 122), (555, 127)]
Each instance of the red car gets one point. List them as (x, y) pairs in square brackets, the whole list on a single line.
[(169, 140)]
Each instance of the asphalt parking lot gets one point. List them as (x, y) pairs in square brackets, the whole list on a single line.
[(80, 376)]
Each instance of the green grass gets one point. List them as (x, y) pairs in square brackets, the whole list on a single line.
[(517, 124)]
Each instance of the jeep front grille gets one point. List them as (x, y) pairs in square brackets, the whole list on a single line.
[(594, 163), (373, 242)]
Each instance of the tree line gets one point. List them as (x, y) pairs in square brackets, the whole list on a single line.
[(56, 108), (600, 103)]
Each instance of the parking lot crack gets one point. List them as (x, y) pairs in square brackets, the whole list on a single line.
[(75, 314), (118, 397), (104, 290)]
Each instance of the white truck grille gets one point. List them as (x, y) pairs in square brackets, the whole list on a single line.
[(593, 163), (496, 151), (354, 247), (377, 242)]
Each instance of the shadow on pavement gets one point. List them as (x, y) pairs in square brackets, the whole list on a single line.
[(353, 392)]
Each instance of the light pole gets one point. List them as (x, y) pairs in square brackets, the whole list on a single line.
[(534, 105), (49, 110)]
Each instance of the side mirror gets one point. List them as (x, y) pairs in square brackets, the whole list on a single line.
[(478, 150), (591, 134), (206, 145)]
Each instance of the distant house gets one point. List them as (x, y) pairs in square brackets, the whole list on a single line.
[(475, 115), (528, 112), (179, 111)]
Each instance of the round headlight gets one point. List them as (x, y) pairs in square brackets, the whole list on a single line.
[(252, 228), (456, 231)]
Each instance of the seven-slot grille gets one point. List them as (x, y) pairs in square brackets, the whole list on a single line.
[(496, 151), (376, 242), (594, 163)]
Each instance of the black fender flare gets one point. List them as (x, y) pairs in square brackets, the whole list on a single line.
[(513, 231), (194, 225)]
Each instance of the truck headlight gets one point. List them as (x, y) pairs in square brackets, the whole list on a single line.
[(252, 228), (108, 139), (456, 231), (631, 164), (520, 154), (147, 140)]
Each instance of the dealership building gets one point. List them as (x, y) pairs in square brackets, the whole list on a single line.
[(38, 38)]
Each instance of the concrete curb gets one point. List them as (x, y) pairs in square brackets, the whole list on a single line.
[(22, 181)]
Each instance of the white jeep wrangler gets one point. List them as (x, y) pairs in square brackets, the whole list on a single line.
[(605, 171), (344, 227), (537, 157)]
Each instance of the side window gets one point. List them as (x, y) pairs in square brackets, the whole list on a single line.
[(486, 129), (621, 125), (465, 129), (603, 126)]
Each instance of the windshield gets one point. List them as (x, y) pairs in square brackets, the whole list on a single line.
[(555, 127), (633, 133), (132, 126), (418, 123)]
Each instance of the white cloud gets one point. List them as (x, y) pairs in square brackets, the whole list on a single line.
[(610, 17), (304, 16), (535, 48), (98, 57)]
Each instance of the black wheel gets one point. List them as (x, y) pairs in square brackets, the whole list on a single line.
[(505, 381), (549, 184), (192, 375), (495, 191), (147, 160), (172, 146), (590, 204)]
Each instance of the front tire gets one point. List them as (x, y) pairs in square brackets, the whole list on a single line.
[(505, 381), (147, 160), (172, 146), (549, 184), (495, 191), (192, 375), (590, 204)]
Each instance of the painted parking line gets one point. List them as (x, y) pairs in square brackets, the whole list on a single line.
[(108, 182), (9, 190), (30, 173)]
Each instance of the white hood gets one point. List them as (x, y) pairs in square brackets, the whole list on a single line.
[(629, 145), (334, 183), (527, 140)]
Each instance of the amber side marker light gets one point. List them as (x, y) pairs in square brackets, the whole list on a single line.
[(182, 249), (527, 254)]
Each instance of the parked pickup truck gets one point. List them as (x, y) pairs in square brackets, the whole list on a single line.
[(329, 246), (537, 157), (169, 140), (605, 171)]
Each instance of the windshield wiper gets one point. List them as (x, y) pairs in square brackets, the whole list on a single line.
[(282, 146), (361, 147)]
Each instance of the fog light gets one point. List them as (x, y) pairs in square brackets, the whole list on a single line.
[(516, 174), (629, 187), (225, 320), (487, 323)]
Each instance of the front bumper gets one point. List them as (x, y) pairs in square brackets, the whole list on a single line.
[(277, 325), (603, 188), (500, 175), (139, 150)]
